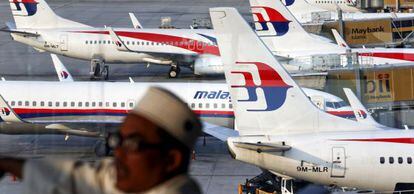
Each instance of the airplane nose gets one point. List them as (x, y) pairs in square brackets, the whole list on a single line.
[(230, 150)]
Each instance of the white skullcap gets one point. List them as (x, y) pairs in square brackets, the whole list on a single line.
[(166, 110)]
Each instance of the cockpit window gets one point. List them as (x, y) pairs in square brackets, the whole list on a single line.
[(330, 104)]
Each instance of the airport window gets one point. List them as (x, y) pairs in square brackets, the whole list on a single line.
[(100, 104), (382, 160), (50, 104), (400, 160), (409, 160), (42, 103), (80, 104), (93, 104), (200, 105), (20, 103), (34, 103), (13, 103), (391, 160), (72, 104), (57, 104), (86, 104), (65, 104), (192, 105)]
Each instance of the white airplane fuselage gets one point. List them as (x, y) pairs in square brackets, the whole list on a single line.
[(338, 158)]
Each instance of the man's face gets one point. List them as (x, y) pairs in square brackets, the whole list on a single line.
[(142, 169)]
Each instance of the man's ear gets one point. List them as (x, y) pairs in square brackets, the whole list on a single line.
[(175, 158)]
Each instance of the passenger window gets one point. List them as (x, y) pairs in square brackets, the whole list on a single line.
[(96, 42), (207, 105), (80, 104), (20, 103), (65, 104), (13, 103), (50, 104), (107, 104), (86, 42), (131, 104), (391, 160), (72, 104), (200, 105), (42, 103), (192, 105), (104, 42), (90, 42), (382, 160), (127, 42), (34, 103), (100, 104), (400, 160), (93, 104), (230, 106), (86, 104), (114, 104), (122, 104), (223, 105), (57, 104), (409, 160), (215, 105)]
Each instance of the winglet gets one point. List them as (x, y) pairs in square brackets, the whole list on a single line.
[(135, 21), (339, 40), (62, 72), (361, 113), (120, 45), (7, 114)]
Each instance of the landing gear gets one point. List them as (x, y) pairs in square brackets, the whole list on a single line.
[(99, 70), (174, 71)]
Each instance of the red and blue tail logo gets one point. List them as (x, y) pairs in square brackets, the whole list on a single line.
[(288, 2), (273, 86), (362, 114), (24, 7), (64, 74), (5, 111), (270, 21)]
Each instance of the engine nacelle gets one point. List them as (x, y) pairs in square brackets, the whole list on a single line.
[(208, 65)]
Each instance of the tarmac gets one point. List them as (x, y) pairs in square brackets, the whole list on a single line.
[(213, 168)]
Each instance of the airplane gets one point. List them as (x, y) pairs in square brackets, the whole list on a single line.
[(37, 25), (287, 39), (290, 137), (308, 11), (348, 6)]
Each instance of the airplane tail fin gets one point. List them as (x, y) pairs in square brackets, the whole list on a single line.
[(38, 14), (62, 72), (361, 113), (280, 30), (339, 40), (266, 100)]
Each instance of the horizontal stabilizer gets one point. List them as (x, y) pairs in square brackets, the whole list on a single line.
[(219, 132), (23, 33), (60, 128), (263, 147)]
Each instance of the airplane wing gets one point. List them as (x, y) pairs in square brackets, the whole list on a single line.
[(135, 21), (263, 147), (361, 113), (339, 40), (62, 72), (219, 132), (10, 117)]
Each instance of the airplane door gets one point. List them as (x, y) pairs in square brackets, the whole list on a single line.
[(64, 42), (338, 162)]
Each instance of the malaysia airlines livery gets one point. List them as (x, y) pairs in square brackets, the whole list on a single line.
[(286, 38), (289, 136)]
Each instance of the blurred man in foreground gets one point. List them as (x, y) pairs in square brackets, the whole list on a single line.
[(152, 155)]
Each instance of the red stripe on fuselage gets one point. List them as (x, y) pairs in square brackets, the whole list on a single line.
[(406, 140), (399, 56), (199, 47)]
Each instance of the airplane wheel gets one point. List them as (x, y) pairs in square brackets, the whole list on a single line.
[(173, 72)]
